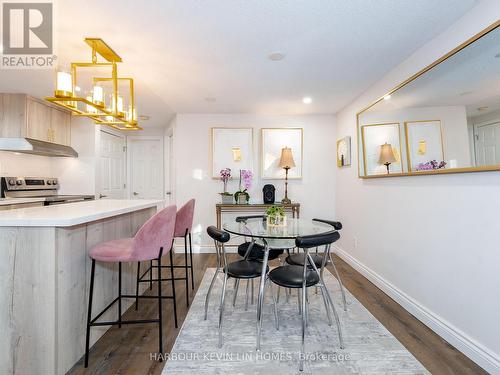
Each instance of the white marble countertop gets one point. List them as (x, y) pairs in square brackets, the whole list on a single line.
[(6, 201), (66, 215)]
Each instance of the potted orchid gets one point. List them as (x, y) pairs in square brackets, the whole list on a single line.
[(242, 196), (225, 175)]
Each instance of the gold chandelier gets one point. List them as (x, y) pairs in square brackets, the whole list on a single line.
[(113, 112)]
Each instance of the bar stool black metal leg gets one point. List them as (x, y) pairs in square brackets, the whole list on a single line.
[(119, 293), (191, 260), (150, 274), (186, 268), (173, 286), (137, 285), (89, 314), (160, 326)]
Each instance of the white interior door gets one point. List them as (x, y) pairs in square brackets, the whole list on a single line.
[(487, 143), (112, 166), (146, 168)]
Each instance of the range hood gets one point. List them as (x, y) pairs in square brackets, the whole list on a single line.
[(36, 147)]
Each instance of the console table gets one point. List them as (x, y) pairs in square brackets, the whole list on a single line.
[(220, 208)]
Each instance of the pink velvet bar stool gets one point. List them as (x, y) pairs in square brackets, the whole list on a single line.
[(183, 226), (152, 240)]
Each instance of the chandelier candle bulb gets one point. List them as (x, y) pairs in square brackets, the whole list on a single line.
[(64, 85), (98, 96)]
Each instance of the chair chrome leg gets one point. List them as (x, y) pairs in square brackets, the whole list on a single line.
[(246, 295), (275, 307), (237, 286), (337, 320), (307, 308), (329, 298), (327, 308), (210, 290), (299, 303), (261, 294), (340, 282), (251, 300), (221, 309)]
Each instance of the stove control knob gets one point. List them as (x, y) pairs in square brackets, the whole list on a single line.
[(12, 182), (54, 182), (49, 182), (19, 182)]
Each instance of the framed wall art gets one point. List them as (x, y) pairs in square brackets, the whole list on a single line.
[(273, 140), (424, 144), (232, 148), (381, 145), (344, 152)]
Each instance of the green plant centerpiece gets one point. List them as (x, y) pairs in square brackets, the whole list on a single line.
[(242, 196), (276, 216)]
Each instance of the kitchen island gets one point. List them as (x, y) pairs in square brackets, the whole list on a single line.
[(45, 274)]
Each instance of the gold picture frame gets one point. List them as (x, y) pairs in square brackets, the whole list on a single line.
[(344, 155), (397, 147), (409, 149), (248, 163), (270, 153)]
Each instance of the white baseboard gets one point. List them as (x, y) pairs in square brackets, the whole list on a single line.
[(477, 352)]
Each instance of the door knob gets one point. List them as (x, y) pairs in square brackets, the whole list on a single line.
[(168, 193), (135, 193)]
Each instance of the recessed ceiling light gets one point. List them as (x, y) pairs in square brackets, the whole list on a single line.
[(307, 100), (482, 108), (144, 117), (276, 56), (210, 99), (387, 97)]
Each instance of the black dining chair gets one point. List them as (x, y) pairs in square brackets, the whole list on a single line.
[(252, 250), (321, 261), (241, 269), (306, 276)]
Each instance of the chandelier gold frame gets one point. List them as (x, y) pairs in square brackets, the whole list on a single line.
[(99, 113)]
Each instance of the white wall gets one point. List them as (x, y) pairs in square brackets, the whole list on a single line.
[(193, 169), (431, 242)]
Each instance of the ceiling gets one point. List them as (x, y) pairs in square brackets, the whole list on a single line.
[(470, 78), (194, 56)]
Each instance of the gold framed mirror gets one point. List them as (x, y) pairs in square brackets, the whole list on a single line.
[(447, 116)]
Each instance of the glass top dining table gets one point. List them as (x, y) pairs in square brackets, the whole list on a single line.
[(293, 228)]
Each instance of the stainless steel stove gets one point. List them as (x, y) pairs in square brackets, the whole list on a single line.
[(37, 187)]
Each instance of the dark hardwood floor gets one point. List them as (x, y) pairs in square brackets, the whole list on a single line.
[(127, 350)]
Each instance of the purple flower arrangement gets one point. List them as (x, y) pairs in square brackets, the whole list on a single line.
[(431, 165), (225, 175), (246, 177)]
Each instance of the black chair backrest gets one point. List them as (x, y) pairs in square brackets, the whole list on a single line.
[(217, 234), (336, 224), (316, 240), (240, 219)]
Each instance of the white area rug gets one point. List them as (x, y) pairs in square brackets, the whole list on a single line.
[(369, 347)]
